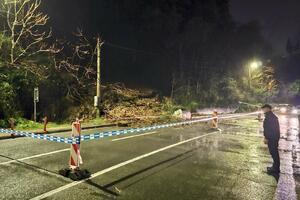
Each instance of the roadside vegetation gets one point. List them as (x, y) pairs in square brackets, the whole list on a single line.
[(203, 64)]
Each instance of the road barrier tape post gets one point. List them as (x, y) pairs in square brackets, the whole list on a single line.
[(259, 116), (186, 115), (45, 119), (75, 158), (215, 119), (74, 172), (12, 125)]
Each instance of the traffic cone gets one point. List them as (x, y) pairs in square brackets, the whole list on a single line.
[(45, 119), (259, 117), (12, 124)]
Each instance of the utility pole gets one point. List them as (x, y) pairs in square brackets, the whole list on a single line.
[(251, 67), (172, 86), (249, 77), (98, 88)]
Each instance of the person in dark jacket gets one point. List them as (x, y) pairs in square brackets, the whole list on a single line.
[(272, 136)]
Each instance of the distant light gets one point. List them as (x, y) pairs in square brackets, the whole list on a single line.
[(283, 110), (255, 64), (295, 111), (259, 63)]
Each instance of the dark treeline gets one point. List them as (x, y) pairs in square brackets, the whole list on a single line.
[(189, 50), (193, 40)]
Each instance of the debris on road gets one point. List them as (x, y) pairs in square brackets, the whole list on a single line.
[(139, 106)]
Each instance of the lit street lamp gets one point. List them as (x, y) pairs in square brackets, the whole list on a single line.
[(253, 66)]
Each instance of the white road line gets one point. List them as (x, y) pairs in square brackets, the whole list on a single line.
[(35, 156), (57, 190), (133, 136)]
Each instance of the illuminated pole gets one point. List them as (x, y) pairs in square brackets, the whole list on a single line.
[(98, 68), (249, 76), (98, 89)]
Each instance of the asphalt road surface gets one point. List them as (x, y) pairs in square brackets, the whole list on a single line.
[(187, 162)]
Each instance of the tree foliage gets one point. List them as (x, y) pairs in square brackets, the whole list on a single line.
[(24, 28), (190, 49)]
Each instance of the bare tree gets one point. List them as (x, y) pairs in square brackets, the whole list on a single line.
[(266, 81), (77, 61), (25, 26)]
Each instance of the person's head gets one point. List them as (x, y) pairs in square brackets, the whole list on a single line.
[(266, 108)]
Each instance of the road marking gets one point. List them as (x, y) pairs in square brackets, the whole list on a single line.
[(57, 190), (35, 156), (133, 136)]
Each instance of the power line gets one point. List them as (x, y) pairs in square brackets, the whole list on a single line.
[(130, 49)]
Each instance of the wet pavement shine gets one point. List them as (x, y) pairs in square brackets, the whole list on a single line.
[(212, 165), (289, 157)]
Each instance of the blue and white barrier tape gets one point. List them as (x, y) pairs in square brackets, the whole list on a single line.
[(70, 140), (137, 130), (149, 128), (76, 140)]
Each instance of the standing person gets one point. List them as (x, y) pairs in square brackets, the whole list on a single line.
[(272, 136)]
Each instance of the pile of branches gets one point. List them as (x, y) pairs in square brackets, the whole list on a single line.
[(123, 104)]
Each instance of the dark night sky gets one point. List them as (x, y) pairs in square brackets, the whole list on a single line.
[(280, 19)]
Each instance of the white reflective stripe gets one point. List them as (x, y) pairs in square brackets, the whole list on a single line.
[(57, 190), (35, 156)]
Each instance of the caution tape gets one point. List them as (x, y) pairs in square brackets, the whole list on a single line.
[(99, 135), (69, 140), (137, 130)]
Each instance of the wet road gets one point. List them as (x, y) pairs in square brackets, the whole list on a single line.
[(191, 162), (289, 157)]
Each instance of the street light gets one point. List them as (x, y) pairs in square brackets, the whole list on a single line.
[(253, 66)]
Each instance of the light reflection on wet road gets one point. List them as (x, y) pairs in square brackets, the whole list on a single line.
[(289, 157), (228, 165)]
